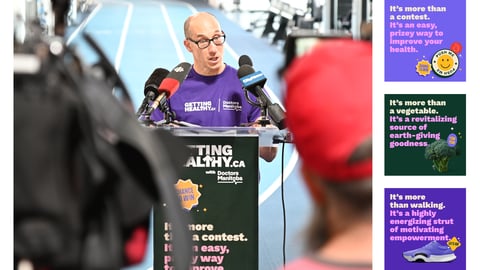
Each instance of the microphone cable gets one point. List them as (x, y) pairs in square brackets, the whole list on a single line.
[(282, 141), (283, 206)]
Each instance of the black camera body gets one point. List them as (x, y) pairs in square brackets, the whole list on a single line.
[(300, 41)]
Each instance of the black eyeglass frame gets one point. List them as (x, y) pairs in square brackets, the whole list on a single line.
[(210, 40)]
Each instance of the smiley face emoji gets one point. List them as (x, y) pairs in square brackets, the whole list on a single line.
[(445, 63)]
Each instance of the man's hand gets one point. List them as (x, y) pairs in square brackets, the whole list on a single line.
[(267, 153)]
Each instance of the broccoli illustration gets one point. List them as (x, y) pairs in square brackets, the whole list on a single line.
[(440, 153)]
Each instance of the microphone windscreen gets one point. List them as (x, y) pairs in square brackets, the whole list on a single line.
[(180, 71), (169, 86), (244, 60), (173, 80), (154, 81), (245, 70)]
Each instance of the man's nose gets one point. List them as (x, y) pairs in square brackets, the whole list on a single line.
[(212, 47)]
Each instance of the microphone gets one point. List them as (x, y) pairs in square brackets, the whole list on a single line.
[(244, 60), (169, 86), (152, 84), (154, 81), (253, 81)]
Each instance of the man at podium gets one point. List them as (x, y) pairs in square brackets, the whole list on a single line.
[(212, 95)]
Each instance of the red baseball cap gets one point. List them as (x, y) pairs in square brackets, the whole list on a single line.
[(328, 103)]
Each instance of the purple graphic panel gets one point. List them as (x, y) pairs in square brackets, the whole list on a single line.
[(425, 228), (425, 40)]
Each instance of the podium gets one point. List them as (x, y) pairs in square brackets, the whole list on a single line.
[(219, 188)]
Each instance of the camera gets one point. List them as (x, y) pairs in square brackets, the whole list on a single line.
[(300, 41)]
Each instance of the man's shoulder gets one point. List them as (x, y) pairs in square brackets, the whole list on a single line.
[(230, 69), (230, 73)]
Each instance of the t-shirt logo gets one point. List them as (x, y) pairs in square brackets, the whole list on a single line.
[(231, 106), (199, 106)]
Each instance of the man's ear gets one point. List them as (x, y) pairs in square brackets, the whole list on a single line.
[(187, 45), (313, 184)]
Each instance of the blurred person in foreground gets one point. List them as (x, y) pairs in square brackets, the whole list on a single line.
[(85, 173), (212, 83), (329, 112)]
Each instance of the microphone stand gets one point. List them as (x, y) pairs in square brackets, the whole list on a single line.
[(146, 111), (144, 114), (264, 121), (168, 114), (146, 101), (146, 121)]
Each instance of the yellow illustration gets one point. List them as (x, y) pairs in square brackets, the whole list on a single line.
[(445, 63), (424, 68), (188, 193), (454, 243)]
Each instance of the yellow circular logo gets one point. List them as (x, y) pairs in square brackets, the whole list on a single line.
[(444, 63), (423, 68)]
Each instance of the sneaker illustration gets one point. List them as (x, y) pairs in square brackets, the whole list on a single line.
[(431, 252)]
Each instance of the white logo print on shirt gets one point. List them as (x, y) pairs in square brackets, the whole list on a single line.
[(231, 106), (199, 106)]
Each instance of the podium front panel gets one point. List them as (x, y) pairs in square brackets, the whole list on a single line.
[(219, 188)]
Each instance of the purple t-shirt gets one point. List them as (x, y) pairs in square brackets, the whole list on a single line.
[(212, 101)]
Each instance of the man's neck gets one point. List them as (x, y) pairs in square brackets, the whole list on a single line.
[(209, 71)]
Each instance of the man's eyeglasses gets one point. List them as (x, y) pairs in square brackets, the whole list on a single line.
[(204, 43)]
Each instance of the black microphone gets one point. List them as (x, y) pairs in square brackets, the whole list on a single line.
[(151, 87), (253, 81), (169, 86), (154, 81), (244, 60)]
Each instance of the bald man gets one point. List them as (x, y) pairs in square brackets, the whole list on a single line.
[(212, 95)]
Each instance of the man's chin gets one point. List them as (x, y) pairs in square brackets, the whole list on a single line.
[(215, 67)]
